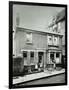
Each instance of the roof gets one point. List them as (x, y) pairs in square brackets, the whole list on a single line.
[(42, 32)]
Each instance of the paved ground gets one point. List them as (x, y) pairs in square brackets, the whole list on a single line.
[(48, 80), (26, 78)]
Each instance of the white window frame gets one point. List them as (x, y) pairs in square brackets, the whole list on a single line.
[(49, 42), (55, 42), (28, 37)]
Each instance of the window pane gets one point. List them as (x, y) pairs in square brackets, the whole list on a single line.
[(24, 54), (57, 54), (59, 25), (50, 40), (32, 54), (29, 37), (55, 41)]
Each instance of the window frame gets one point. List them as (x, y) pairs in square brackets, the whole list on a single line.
[(29, 38)]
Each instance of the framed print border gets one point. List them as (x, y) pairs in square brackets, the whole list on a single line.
[(11, 3)]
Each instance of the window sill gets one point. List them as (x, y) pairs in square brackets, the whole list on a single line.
[(29, 43), (54, 45)]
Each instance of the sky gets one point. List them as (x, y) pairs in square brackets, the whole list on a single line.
[(34, 17)]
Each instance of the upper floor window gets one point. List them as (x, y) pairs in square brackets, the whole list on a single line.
[(59, 27), (55, 40), (55, 28), (49, 40), (29, 37)]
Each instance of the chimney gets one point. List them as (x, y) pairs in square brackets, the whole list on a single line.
[(17, 20)]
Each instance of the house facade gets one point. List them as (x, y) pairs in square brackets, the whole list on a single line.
[(58, 25), (39, 49)]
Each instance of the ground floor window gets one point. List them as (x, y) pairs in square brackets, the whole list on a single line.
[(31, 57), (25, 54), (58, 59), (54, 60), (31, 54), (40, 57), (57, 54), (52, 57)]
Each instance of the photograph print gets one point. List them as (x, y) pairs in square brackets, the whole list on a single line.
[(37, 44)]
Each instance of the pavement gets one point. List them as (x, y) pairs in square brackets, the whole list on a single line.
[(35, 76)]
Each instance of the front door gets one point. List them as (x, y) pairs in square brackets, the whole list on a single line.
[(40, 60)]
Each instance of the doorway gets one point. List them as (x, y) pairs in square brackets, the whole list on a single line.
[(52, 57), (40, 61)]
